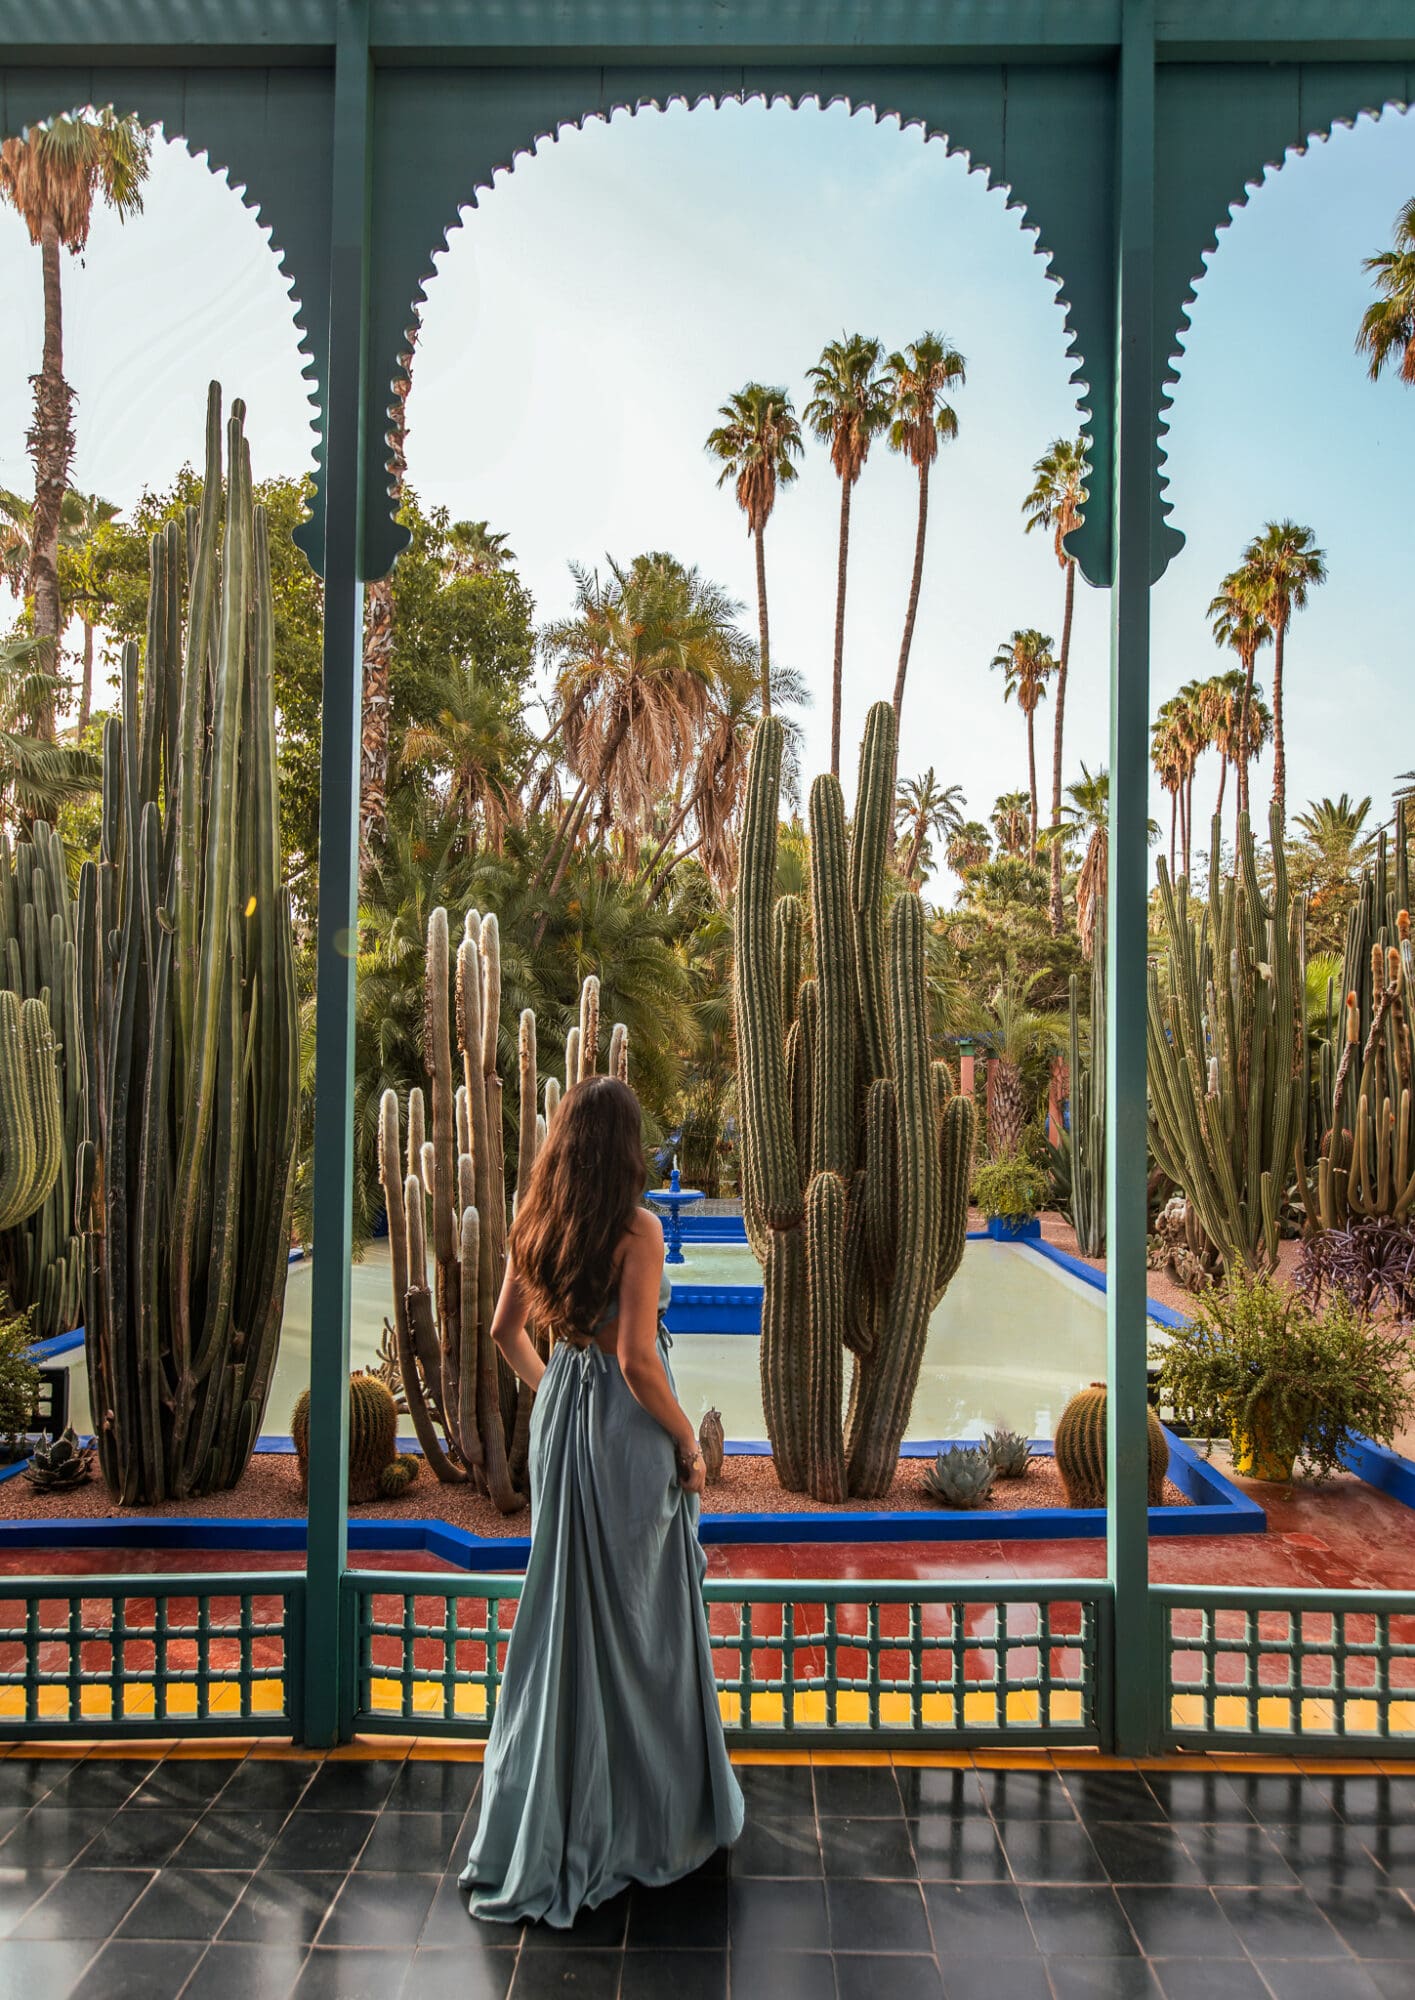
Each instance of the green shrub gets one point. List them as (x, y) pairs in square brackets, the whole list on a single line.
[(1258, 1360), (19, 1378), (1011, 1186)]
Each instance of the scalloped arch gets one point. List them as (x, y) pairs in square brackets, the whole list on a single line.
[(269, 134), (1219, 131), (1044, 134)]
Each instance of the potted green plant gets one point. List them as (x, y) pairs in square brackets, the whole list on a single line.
[(1285, 1381), (1009, 1190)]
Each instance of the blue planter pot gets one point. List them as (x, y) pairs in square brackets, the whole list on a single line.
[(1014, 1228)]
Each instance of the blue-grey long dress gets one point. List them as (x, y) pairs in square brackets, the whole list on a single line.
[(606, 1762)]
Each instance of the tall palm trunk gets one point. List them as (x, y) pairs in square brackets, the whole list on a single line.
[(915, 581), (1222, 781), (1058, 911), (1244, 712), (86, 688), (51, 446), (1279, 741), (1186, 817), (837, 670), (1032, 786), (1173, 820), (763, 633)]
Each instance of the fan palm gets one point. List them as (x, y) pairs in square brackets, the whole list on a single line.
[(922, 809), (53, 177), (921, 375), (475, 742), (1023, 1040), (37, 777), (852, 403), (1088, 812), (636, 666), (476, 549), (969, 847), (1027, 662), (1167, 756), (1387, 332), (1011, 821), (1055, 502), (1284, 563), (1335, 847), (1224, 698), (1238, 620), (758, 441)]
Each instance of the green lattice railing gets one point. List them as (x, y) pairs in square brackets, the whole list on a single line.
[(138, 1655), (883, 1662), (1279, 1669)]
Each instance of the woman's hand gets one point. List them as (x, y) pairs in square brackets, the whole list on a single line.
[(692, 1472)]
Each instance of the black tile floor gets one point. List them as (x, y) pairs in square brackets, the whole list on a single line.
[(130, 1879)]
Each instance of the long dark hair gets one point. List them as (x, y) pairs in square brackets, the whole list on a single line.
[(588, 1181)]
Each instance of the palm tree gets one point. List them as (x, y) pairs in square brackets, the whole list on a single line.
[(636, 666), (1011, 821), (922, 809), (969, 847), (476, 549), (1088, 813), (1167, 756), (1387, 332), (1023, 1040), (1224, 698), (852, 404), (1238, 620), (1196, 712), (53, 176), (82, 517), (757, 442), (1284, 563), (921, 374), (476, 741), (37, 777), (1055, 501), (1027, 661)]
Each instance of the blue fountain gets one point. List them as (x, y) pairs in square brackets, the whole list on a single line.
[(675, 1197)]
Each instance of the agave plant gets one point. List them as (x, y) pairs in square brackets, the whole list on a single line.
[(1009, 1452), (59, 1462), (962, 1476)]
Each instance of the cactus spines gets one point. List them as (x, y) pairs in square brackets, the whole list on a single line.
[(589, 1027), (855, 1153), (31, 1115), (962, 1476), (711, 1443), (572, 1058), (190, 1028), (1080, 1447), (1009, 1451), (41, 1262), (377, 1470), (619, 1052), (471, 1417), (1225, 1041)]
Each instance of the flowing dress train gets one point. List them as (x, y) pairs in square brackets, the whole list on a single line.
[(606, 1762)]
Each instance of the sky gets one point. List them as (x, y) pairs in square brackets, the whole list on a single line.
[(602, 300)]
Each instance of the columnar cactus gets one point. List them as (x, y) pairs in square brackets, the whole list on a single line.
[(41, 1257), (471, 1416), (1226, 1049), (855, 1151), (1364, 1161), (1084, 1143), (31, 1115), (189, 1030)]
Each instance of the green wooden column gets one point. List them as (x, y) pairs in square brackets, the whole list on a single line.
[(328, 1689), (1126, 1517)]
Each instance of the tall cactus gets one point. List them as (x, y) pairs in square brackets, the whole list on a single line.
[(189, 1029), (1226, 1049), (471, 1416), (1362, 1158), (31, 1112), (1080, 1158), (855, 1150), (41, 1257)]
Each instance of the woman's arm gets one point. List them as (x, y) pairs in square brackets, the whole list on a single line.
[(508, 1330), (639, 1273)]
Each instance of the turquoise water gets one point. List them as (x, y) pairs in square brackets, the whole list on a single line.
[(1013, 1338)]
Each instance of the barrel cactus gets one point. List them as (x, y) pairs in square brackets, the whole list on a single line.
[(189, 1031), (1080, 1447), (855, 1149), (377, 1470), (471, 1416), (962, 1476), (41, 1266)]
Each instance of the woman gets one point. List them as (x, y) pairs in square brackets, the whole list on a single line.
[(606, 1763)]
